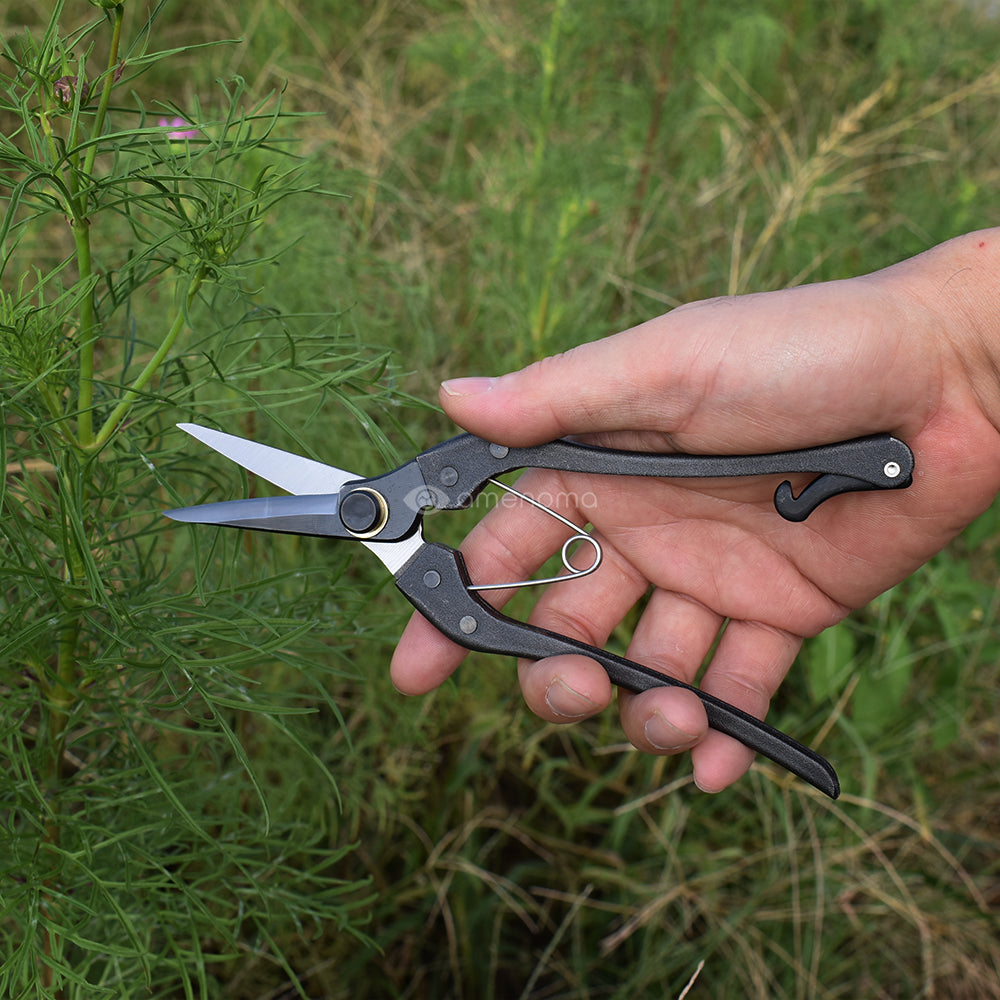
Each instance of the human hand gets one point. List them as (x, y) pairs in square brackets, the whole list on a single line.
[(909, 350)]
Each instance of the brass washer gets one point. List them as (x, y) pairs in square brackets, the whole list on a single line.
[(383, 512)]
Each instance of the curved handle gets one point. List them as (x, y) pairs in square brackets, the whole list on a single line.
[(456, 470), (436, 583)]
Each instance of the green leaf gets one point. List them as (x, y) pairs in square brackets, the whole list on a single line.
[(829, 660), (878, 701)]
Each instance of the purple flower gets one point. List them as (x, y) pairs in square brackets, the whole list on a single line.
[(181, 128)]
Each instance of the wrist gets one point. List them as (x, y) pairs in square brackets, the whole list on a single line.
[(953, 293)]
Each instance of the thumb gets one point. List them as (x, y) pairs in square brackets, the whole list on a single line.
[(763, 372), (596, 387)]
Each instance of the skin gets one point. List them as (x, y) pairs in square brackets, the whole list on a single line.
[(911, 350)]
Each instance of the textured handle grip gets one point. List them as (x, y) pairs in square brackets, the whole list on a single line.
[(456, 470), (436, 583)]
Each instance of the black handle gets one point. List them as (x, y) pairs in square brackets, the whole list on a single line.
[(456, 470), (436, 583)]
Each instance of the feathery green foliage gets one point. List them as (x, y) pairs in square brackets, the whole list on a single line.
[(145, 845)]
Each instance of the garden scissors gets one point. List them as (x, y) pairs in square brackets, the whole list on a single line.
[(385, 514)]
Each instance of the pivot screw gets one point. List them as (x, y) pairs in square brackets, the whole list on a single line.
[(364, 512), (891, 470)]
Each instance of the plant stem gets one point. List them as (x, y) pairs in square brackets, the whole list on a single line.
[(568, 220), (118, 413), (81, 236), (60, 702), (664, 80), (60, 698), (549, 66), (88, 333), (109, 83)]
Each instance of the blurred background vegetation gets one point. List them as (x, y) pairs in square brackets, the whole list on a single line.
[(518, 177)]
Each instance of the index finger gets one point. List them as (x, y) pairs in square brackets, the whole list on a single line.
[(509, 544)]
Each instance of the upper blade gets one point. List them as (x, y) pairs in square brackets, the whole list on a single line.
[(291, 472)]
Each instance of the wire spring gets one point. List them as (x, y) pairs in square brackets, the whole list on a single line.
[(579, 535)]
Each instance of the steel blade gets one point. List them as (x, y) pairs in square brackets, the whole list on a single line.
[(298, 475), (291, 472), (304, 514)]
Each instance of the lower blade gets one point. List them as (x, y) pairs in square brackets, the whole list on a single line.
[(306, 514)]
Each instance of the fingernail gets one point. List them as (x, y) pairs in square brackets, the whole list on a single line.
[(472, 386), (564, 701), (664, 736)]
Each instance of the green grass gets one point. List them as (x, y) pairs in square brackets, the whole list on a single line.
[(521, 177)]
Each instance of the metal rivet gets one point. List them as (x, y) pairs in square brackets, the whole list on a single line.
[(448, 476), (468, 624), (892, 470), (432, 579), (499, 450)]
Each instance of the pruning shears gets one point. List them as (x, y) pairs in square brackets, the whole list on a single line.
[(385, 514)]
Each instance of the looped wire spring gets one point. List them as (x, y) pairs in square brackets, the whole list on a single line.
[(579, 535)]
